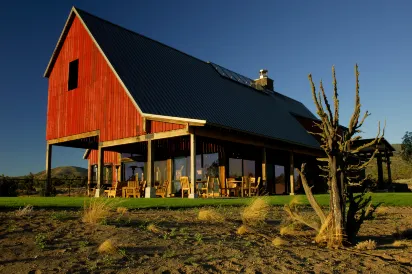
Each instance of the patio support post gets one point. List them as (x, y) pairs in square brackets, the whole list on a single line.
[(380, 170), (264, 172), (388, 167), (89, 176), (192, 165), (291, 174), (222, 171), (150, 191), (120, 172), (169, 176), (100, 169), (48, 183)]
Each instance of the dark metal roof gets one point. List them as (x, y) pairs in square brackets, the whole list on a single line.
[(165, 81)]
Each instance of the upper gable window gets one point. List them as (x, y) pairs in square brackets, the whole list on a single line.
[(73, 74)]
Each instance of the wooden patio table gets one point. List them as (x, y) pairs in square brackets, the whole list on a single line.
[(237, 182)]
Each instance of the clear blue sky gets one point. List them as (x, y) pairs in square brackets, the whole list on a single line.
[(289, 38)]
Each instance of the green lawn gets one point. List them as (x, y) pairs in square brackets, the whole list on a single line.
[(389, 199)]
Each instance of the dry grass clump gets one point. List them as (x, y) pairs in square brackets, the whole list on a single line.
[(278, 241), (366, 245), (27, 210), (97, 210), (381, 210), (243, 229), (256, 212), (108, 247), (400, 243), (287, 230), (122, 210), (210, 215), (153, 228)]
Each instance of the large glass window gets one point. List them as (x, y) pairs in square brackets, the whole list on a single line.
[(297, 179), (211, 165), (249, 168), (235, 168), (160, 172), (134, 168), (280, 180)]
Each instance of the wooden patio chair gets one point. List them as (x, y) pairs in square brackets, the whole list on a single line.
[(254, 186), (246, 185), (142, 188), (185, 185), (132, 189), (211, 186), (162, 190), (113, 191), (205, 188)]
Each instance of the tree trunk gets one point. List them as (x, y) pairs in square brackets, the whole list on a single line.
[(336, 209)]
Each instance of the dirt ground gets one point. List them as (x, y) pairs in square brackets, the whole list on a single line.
[(47, 241)]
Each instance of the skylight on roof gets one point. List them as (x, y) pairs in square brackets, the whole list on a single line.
[(238, 78)]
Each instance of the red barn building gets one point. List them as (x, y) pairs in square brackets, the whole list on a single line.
[(138, 105)]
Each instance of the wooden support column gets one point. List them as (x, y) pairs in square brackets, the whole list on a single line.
[(222, 170), (291, 174), (120, 171), (48, 184), (192, 165), (264, 170), (169, 176), (89, 176), (150, 191), (388, 167), (100, 171), (380, 171)]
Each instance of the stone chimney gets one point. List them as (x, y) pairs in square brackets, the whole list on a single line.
[(264, 80)]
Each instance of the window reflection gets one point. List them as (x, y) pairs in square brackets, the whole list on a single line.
[(249, 168), (280, 180), (235, 167)]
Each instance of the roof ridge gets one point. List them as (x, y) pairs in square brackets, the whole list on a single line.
[(141, 35)]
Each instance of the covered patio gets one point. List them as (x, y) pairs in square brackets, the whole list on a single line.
[(204, 154)]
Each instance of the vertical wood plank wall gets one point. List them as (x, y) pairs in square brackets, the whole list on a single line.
[(98, 103)]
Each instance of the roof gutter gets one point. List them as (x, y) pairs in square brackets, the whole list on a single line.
[(174, 120)]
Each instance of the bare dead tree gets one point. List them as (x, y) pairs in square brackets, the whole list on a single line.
[(340, 164)]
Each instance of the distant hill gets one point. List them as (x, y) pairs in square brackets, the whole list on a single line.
[(59, 172)]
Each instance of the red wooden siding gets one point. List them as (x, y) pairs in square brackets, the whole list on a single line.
[(109, 157), (98, 103), (161, 126)]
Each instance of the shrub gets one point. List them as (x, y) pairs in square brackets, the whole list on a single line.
[(8, 187)]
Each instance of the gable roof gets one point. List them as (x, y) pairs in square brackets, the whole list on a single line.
[(165, 82)]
